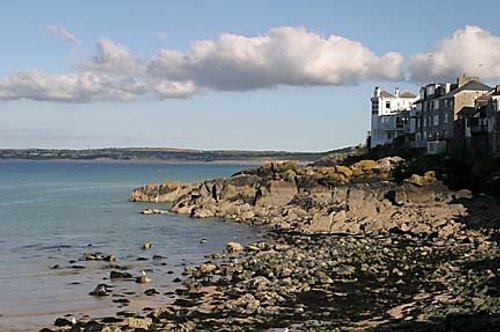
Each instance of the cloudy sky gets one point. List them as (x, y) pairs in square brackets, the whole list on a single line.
[(258, 75)]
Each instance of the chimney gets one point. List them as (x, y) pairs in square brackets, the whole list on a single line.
[(462, 79), (396, 92), (447, 87), (376, 92)]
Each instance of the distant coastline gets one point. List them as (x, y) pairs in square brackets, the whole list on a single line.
[(158, 155)]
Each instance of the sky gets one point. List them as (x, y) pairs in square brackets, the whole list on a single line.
[(246, 75)]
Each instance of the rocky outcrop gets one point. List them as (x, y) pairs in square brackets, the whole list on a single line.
[(165, 192), (361, 198)]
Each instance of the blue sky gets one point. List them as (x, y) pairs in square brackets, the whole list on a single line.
[(93, 74)]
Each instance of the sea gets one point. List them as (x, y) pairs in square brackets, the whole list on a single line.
[(53, 212)]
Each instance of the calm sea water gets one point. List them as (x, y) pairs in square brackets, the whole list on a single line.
[(53, 212)]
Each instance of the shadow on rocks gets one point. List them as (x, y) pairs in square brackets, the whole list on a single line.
[(454, 322)]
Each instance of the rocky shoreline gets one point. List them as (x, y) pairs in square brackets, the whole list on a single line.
[(362, 246)]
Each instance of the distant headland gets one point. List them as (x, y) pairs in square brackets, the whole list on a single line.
[(163, 154)]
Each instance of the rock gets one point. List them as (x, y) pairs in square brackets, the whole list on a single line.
[(143, 279), (322, 224), (207, 268), (151, 211), (245, 304), (446, 231), (92, 256), (277, 193), (109, 258), (119, 275), (92, 326), (151, 292), (166, 192), (420, 181), (344, 170), (100, 290), (62, 322), (421, 229), (147, 245), (138, 323), (234, 247), (247, 215), (364, 165), (123, 301), (335, 178), (202, 213)]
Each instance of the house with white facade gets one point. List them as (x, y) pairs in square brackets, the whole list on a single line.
[(458, 117), (390, 115)]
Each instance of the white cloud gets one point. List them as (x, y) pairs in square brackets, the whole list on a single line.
[(173, 89), (63, 34), (281, 56), (471, 50), (113, 58), (79, 87)]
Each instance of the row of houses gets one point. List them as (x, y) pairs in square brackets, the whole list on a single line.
[(451, 118)]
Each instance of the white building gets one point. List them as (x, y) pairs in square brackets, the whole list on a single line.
[(390, 115)]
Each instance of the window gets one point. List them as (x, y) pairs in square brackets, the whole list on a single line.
[(375, 107), (435, 120), (430, 90), (388, 104), (436, 104), (446, 117)]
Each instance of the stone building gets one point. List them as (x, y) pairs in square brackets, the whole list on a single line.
[(436, 116), (480, 125)]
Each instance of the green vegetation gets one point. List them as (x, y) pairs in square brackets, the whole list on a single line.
[(164, 154)]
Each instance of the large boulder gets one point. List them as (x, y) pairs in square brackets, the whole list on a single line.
[(234, 247), (276, 193), (166, 192)]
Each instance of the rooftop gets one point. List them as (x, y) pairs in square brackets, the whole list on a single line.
[(469, 86)]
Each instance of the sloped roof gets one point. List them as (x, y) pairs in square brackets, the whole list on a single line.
[(386, 94), (469, 86), (407, 94)]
